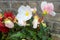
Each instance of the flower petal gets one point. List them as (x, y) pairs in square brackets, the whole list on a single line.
[(3, 28), (21, 23), (53, 13), (43, 5), (22, 13), (49, 7), (21, 8), (9, 24), (35, 23)]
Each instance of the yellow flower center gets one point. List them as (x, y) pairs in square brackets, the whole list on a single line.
[(1, 15), (45, 12), (36, 17), (7, 20), (34, 11), (27, 13)]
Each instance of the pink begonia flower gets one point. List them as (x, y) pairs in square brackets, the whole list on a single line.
[(9, 24), (48, 7)]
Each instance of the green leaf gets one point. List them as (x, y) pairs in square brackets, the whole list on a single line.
[(49, 38), (44, 38), (16, 26), (18, 34), (32, 34)]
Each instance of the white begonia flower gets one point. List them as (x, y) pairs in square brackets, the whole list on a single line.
[(35, 22), (9, 24), (24, 14)]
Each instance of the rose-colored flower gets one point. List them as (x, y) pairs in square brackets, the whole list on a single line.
[(3, 28), (9, 14)]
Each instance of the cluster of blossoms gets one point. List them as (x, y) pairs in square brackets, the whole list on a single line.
[(25, 13), (6, 21)]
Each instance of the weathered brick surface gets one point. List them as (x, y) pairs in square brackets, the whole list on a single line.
[(4, 5), (31, 0), (55, 18), (55, 38), (17, 3)]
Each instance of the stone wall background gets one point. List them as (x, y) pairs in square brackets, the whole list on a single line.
[(53, 22)]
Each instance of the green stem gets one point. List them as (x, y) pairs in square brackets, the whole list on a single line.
[(2, 36)]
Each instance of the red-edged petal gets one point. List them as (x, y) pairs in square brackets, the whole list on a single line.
[(3, 28), (1, 19), (9, 14)]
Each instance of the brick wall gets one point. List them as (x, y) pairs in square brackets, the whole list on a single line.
[(54, 22)]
